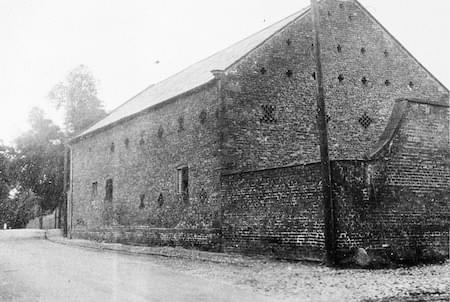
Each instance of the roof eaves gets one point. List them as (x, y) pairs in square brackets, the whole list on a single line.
[(84, 135)]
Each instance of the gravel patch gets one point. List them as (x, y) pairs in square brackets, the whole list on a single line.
[(288, 281)]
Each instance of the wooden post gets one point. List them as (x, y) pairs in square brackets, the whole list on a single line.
[(328, 206), (65, 192)]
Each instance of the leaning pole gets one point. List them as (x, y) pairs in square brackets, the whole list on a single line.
[(328, 205)]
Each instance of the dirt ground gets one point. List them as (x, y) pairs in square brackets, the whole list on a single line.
[(290, 281), (312, 282)]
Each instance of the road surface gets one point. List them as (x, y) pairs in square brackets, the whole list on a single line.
[(39, 270)]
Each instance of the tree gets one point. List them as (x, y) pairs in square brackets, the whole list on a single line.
[(38, 166), (17, 210), (16, 207), (6, 155), (77, 96)]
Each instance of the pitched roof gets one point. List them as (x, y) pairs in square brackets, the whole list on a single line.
[(193, 76)]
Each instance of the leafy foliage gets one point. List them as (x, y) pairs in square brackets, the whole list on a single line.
[(32, 173), (39, 161), (18, 210), (77, 96)]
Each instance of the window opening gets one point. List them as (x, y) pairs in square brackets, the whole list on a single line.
[(183, 182), (109, 190)]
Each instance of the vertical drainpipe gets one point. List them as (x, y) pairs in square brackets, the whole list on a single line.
[(328, 203), (219, 76)]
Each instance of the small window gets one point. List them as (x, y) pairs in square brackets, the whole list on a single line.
[(94, 190), (183, 182), (109, 190), (268, 114)]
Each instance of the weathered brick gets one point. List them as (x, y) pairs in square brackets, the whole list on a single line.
[(250, 141)]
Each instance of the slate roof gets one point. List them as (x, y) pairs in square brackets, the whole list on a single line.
[(193, 76)]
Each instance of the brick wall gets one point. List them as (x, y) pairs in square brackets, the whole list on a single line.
[(263, 120), (142, 161), (275, 212), (398, 203), (202, 239), (261, 79)]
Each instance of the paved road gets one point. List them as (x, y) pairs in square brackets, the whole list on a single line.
[(39, 270)]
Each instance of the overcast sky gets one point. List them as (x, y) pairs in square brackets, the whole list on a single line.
[(120, 41)]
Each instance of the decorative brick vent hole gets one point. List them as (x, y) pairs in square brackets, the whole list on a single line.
[(202, 196), (112, 147), (363, 50), (180, 124), (288, 42), (365, 120), (341, 5), (364, 81), (160, 200), (289, 73), (263, 70), (387, 83), (339, 48), (313, 75), (341, 78), (410, 85), (268, 114), (127, 143), (160, 132), (386, 53)]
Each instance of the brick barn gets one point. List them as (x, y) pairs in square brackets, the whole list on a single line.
[(224, 155)]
